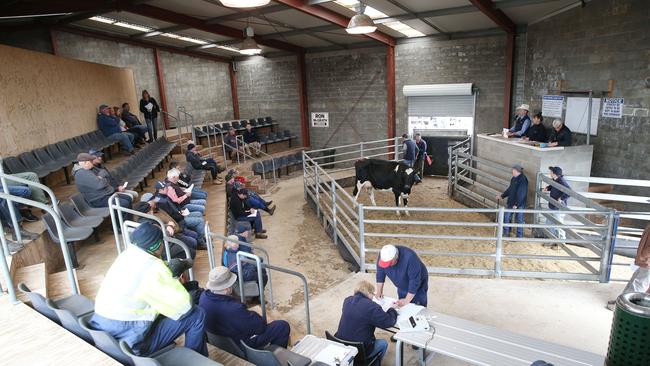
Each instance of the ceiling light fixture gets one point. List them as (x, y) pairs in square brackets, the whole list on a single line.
[(361, 23), (249, 47), (244, 3)]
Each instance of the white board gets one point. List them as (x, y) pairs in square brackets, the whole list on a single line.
[(577, 112)]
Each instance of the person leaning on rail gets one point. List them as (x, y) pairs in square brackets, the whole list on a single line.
[(516, 194)]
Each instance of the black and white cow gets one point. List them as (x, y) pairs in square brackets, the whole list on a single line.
[(383, 175)]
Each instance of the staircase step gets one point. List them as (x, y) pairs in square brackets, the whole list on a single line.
[(58, 285), (35, 277)]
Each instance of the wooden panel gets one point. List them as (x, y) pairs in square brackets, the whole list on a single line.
[(46, 98)]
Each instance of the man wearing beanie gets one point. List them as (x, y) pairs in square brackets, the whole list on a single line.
[(198, 163), (141, 303)]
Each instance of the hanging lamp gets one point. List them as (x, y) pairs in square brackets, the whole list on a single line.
[(361, 23), (244, 3), (249, 47)]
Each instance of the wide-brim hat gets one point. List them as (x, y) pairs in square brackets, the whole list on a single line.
[(220, 278), (524, 106)]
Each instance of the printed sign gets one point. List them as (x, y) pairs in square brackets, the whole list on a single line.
[(320, 119), (552, 105), (613, 107)]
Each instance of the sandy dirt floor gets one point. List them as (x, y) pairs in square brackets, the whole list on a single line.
[(433, 193)]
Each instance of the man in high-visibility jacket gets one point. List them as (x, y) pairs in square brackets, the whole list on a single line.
[(141, 303)]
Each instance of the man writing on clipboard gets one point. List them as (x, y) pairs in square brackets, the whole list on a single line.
[(405, 269)]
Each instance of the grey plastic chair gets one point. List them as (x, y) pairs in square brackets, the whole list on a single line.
[(33, 165), (71, 235), (273, 355), (14, 165), (226, 343), (85, 209), (174, 357), (38, 302), (69, 315), (104, 341), (75, 219)]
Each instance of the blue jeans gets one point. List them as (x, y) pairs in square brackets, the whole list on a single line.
[(165, 330), (256, 221), (380, 348), (139, 132), (125, 139), (196, 224), (195, 208), (277, 332), (20, 191), (198, 194), (153, 128), (408, 162), (519, 219), (256, 202)]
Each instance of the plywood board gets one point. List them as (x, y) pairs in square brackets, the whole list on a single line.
[(45, 99)]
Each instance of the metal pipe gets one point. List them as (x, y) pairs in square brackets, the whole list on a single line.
[(362, 240), (305, 290), (334, 220), (208, 241), (4, 252), (589, 117), (260, 279), (499, 243)]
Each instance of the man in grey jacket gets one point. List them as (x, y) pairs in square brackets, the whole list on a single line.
[(96, 189)]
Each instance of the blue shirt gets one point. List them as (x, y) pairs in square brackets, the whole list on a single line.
[(360, 316), (517, 191), (411, 150), (521, 125), (108, 125), (409, 275), (558, 195), (228, 317)]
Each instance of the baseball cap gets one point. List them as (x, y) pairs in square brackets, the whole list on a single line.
[(159, 185), (386, 255), (518, 167), (85, 157), (556, 170), (95, 152)]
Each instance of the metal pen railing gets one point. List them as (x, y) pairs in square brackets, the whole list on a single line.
[(120, 225), (178, 128), (274, 170), (52, 210), (189, 120)]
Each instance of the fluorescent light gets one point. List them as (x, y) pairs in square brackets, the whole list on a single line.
[(244, 3), (103, 19), (132, 26)]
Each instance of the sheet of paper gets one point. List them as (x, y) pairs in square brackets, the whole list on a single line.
[(189, 189), (385, 302), (331, 353), (403, 313), (125, 184), (149, 106)]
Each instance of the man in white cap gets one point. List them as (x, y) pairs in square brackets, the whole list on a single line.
[(226, 316), (405, 269), (521, 122)]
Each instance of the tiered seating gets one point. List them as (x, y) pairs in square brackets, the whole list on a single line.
[(50, 158), (265, 167), (136, 168)]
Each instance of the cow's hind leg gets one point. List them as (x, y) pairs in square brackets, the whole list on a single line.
[(371, 193), (406, 205), (397, 200), (357, 190)]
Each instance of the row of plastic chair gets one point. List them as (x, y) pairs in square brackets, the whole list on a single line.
[(50, 158), (266, 166), (135, 169)]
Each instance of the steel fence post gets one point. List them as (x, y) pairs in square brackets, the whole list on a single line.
[(455, 172), (499, 243), (361, 149), (449, 162), (362, 240), (334, 220), (606, 255), (317, 179)]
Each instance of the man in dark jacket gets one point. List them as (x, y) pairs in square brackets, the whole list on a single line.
[(199, 163), (537, 132), (558, 195), (410, 150), (421, 155), (243, 212), (226, 316), (110, 127), (359, 318), (133, 123), (407, 272), (96, 190), (252, 141), (101, 171), (249, 270), (561, 135), (516, 193)]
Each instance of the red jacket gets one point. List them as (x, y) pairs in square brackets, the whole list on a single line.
[(643, 253)]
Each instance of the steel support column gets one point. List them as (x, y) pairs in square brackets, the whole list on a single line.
[(302, 93), (507, 88), (390, 91), (55, 45), (161, 85), (233, 90)]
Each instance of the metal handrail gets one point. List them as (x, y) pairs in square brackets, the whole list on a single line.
[(178, 128), (266, 188), (119, 226), (182, 110)]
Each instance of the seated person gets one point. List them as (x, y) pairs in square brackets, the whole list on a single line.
[(180, 196), (254, 200), (226, 316), (96, 190), (23, 212), (252, 141), (185, 181), (104, 173), (37, 193), (178, 267), (561, 135), (133, 123), (192, 156), (7, 225), (360, 317), (187, 220), (521, 122), (141, 303), (243, 212), (173, 229), (249, 270), (110, 127), (232, 145), (537, 132)]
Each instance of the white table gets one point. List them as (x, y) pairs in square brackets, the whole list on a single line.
[(484, 345), (310, 346)]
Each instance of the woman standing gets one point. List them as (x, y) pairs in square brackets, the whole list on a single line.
[(149, 107)]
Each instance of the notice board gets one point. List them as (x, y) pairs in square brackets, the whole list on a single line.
[(577, 112)]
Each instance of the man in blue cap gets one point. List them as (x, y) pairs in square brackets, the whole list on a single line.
[(558, 195), (110, 127), (140, 302)]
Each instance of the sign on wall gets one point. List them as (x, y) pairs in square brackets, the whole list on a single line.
[(613, 107), (320, 119), (552, 105)]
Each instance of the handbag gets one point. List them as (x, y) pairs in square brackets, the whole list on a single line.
[(429, 160)]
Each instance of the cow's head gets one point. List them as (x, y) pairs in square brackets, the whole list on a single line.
[(409, 178)]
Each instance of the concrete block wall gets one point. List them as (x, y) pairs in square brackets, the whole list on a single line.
[(607, 39), (477, 60), (202, 86), (351, 86), (269, 87)]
